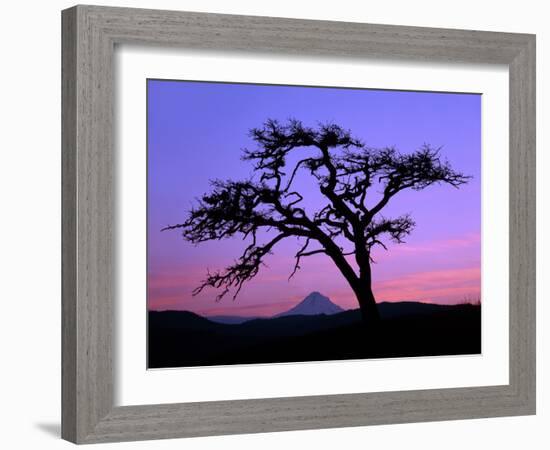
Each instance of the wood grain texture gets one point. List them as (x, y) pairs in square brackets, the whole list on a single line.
[(68, 226), (89, 37), (523, 223)]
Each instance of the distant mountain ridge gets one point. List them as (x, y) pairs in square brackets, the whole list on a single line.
[(232, 320), (314, 304)]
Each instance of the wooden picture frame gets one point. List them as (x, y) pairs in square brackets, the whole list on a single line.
[(90, 34)]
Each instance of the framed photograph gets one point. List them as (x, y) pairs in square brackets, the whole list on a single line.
[(335, 219)]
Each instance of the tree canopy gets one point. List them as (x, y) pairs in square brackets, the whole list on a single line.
[(346, 172)]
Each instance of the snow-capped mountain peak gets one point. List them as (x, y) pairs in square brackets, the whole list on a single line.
[(314, 304)]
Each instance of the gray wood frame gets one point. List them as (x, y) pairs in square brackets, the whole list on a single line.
[(89, 36)]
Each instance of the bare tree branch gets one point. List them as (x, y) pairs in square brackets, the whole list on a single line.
[(244, 269), (302, 253)]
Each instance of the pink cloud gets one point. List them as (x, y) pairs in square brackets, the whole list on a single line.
[(446, 286), (469, 240), (405, 272)]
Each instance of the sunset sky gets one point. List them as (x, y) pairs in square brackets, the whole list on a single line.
[(196, 132)]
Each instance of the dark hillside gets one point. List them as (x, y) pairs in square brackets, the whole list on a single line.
[(181, 338)]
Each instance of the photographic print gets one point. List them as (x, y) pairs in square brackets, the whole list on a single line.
[(300, 223)]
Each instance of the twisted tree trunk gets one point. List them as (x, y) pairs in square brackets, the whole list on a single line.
[(368, 306), (362, 284), (363, 291)]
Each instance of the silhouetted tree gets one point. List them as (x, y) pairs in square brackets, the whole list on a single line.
[(347, 173)]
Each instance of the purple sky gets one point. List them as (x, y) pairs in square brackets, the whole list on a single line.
[(196, 131)]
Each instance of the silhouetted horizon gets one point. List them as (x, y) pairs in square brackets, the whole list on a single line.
[(474, 302)]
